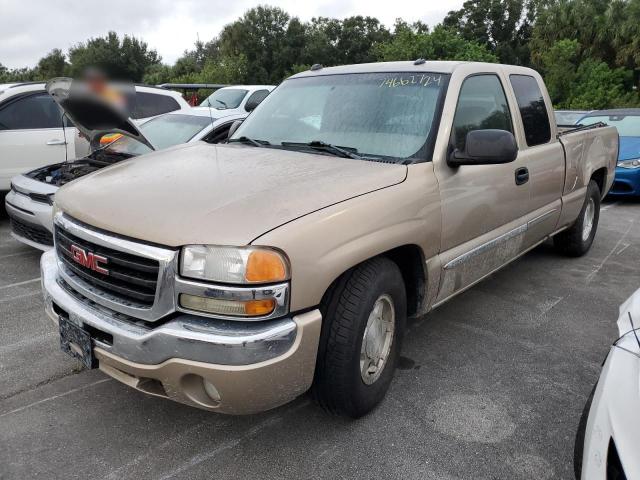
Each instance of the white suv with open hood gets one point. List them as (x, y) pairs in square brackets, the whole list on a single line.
[(29, 203), (33, 132)]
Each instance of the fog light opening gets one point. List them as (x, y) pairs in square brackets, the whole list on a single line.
[(201, 391), (211, 390)]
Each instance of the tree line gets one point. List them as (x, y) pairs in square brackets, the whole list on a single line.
[(588, 51)]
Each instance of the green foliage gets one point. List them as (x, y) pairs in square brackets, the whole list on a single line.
[(17, 75), (260, 35), (559, 64), (126, 59), (52, 65), (587, 50), (584, 85), (224, 70), (158, 74), (605, 30), (598, 86), (412, 42), (502, 26)]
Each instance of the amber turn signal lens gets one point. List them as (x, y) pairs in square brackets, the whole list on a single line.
[(257, 308), (216, 306), (265, 266)]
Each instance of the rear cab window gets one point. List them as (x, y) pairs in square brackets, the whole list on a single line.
[(533, 110), (153, 104)]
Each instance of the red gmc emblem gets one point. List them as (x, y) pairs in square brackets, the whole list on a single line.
[(89, 259)]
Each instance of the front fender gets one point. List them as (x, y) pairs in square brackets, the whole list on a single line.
[(324, 244)]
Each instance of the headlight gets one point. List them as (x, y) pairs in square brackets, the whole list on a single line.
[(635, 163), (236, 265)]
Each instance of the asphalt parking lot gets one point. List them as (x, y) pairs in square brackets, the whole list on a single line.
[(491, 387)]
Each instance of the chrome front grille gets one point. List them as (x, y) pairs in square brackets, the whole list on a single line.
[(132, 278)]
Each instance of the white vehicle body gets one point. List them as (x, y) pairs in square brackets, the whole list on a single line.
[(29, 203), (238, 99), (32, 134), (612, 435)]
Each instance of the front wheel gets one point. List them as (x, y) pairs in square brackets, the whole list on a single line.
[(577, 239), (364, 316)]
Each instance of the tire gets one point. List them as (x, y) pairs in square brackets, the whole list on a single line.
[(575, 242), (340, 386), (578, 447)]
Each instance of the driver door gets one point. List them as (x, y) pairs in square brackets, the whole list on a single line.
[(482, 205)]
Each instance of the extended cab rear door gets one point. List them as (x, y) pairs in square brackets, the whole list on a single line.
[(540, 152), (483, 206)]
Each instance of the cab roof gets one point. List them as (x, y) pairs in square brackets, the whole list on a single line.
[(446, 67)]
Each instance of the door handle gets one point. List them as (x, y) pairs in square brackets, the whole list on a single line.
[(522, 175), (56, 141)]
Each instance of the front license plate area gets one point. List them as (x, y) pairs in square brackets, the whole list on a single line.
[(76, 342)]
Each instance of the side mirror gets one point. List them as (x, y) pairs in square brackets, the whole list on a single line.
[(252, 103), (486, 147), (232, 129)]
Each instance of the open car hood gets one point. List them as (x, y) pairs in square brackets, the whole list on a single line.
[(94, 114)]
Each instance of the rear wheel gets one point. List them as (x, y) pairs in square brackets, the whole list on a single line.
[(364, 315), (577, 239)]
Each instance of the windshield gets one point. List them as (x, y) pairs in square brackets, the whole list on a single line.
[(627, 125), (225, 98), (373, 114), (162, 132), (568, 118)]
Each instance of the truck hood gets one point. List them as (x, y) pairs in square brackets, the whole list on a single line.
[(92, 114), (217, 194)]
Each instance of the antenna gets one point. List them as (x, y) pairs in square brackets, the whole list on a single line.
[(210, 115), (64, 134)]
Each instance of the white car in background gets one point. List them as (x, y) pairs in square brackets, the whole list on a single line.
[(608, 440), (237, 99), (33, 132), (29, 203)]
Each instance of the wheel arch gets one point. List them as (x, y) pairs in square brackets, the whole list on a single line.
[(600, 177), (410, 260)]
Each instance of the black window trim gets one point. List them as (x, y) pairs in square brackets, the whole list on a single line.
[(452, 147)]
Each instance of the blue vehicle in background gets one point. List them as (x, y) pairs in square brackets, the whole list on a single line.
[(627, 121)]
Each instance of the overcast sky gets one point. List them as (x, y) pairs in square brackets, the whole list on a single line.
[(30, 29)]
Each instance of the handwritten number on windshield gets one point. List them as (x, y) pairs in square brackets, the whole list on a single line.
[(423, 80)]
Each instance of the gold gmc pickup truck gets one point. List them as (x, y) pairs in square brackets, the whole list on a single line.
[(235, 277)]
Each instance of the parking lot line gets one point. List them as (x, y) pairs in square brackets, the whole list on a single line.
[(17, 297), (615, 247), (53, 397), (28, 252), (230, 443), (26, 282)]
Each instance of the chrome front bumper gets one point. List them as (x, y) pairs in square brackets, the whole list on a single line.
[(184, 336), (29, 211)]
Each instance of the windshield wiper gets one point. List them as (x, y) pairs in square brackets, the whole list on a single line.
[(346, 152), (255, 143), (221, 102)]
